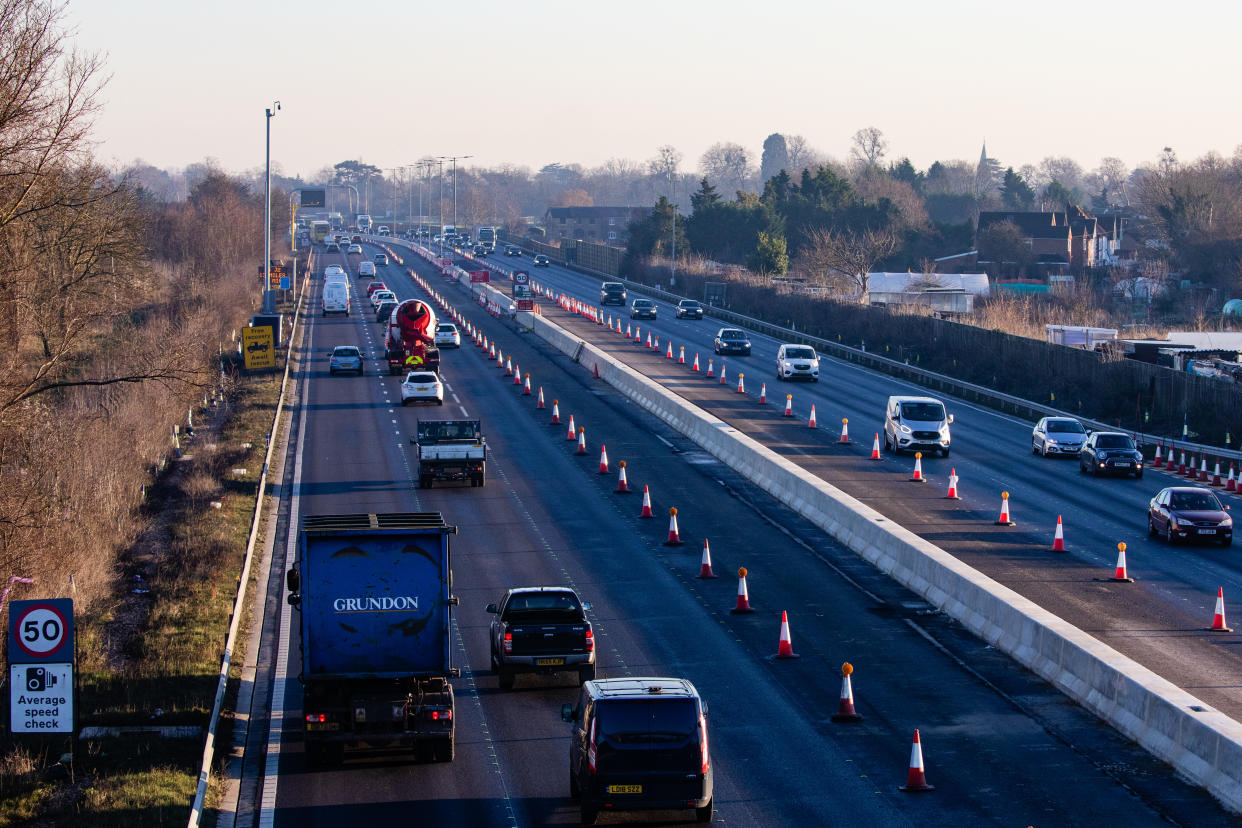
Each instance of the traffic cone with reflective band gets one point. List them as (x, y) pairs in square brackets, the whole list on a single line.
[(492, 354), (623, 485), (581, 450), (1169, 464), (1231, 485), (722, 371), (629, 330), (669, 353), (705, 564), (681, 355), (811, 422), (517, 375), (1120, 574), (1203, 475), (785, 648), (845, 431), (603, 459), (875, 447), (952, 493), (1218, 617), (741, 385), (500, 358), (526, 387), (539, 402), (674, 537), (763, 393), (845, 709), (1216, 481), (916, 780), (1058, 539), (572, 433), (556, 413), (1004, 520), (695, 367), (656, 346), (1157, 460), (646, 510), (789, 405), (638, 334), (710, 372), (1181, 467), (743, 597), (917, 476), (648, 340)]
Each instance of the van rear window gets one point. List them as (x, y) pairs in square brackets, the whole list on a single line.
[(647, 722)]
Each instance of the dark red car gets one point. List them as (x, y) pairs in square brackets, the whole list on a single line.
[(374, 286), (1188, 513)]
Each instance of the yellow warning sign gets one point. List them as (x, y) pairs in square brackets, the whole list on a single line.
[(258, 348)]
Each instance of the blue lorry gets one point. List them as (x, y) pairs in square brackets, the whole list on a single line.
[(374, 594)]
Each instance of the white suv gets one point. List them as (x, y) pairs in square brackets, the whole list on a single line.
[(797, 362)]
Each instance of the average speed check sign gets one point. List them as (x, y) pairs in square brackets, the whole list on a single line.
[(41, 662)]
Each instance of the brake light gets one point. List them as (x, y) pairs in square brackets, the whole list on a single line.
[(440, 715), (317, 718), (591, 748), (704, 758), (508, 642), (590, 640)]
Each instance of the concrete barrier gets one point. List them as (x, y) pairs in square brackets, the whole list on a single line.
[(1203, 744)]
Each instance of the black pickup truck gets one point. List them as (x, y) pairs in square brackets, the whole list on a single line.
[(541, 630)]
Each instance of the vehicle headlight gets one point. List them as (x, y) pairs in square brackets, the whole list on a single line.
[(944, 429), (1184, 522), (1226, 523), (904, 429), (1052, 441)]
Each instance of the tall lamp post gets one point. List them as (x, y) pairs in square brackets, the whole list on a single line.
[(454, 160), (440, 160), (269, 298)]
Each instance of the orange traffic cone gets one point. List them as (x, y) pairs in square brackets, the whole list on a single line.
[(722, 371), (952, 493), (1181, 466), (917, 476), (572, 433), (845, 709), (1004, 520), (556, 413), (741, 386), (763, 393), (509, 367), (623, 485), (1169, 464), (845, 431), (500, 358), (491, 354), (875, 447), (526, 387), (629, 331), (656, 346), (603, 459), (648, 340), (1218, 617), (1216, 481), (811, 422), (710, 373), (681, 355), (1120, 574), (785, 648), (517, 375), (1058, 539), (646, 512), (581, 450), (743, 597), (705, 565), (1231, 485), (1203, 475), (695, 367), (674, 537), (539, 402), (669, 354), (638, 334), (916, 780), (789, 405)]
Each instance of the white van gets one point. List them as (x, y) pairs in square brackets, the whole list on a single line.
[(916, 424), (336, 298), (366, 269), (797, 362)]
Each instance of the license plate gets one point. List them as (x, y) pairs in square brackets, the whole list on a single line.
[(625, 789), (323, 726), (1207, 531), (549, 662)]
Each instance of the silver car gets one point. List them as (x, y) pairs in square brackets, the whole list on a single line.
[(345, 359), (1058, 436)]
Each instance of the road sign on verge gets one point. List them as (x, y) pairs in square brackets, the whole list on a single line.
[(41, 631), (41, 698), (258, 348)]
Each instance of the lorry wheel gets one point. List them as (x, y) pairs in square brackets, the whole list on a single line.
[(445, 750), (505, 678), (588, 815), (586, 674)]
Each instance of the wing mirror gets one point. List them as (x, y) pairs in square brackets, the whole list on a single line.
[(493, 609), (586, 606), (950, 418)]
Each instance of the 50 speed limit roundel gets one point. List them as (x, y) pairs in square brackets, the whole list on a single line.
[(41, 631)]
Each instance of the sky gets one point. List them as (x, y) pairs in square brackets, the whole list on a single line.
[(542, 81)]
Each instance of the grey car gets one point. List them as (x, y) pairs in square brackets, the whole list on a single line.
[(1110, 452), (345, 359), (1058, 437)]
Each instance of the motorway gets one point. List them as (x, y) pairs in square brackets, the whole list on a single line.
[(1159, 621), (1001, 746)]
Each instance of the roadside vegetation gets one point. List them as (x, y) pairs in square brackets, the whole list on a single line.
[(119, 310)]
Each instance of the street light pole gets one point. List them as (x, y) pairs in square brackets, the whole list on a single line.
[(440, 160), (269, 298), (454, 160), (672, 271)]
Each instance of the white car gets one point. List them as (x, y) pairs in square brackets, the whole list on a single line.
[(333, 270), (355, 248), (379, 297), (797, 362), (447, 335), (422, 386)]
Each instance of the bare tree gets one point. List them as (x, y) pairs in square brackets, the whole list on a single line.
[(727, 165), (665, 162), (874, 185), (846, 257), (1108, 180), (800, 154), (868, 147)]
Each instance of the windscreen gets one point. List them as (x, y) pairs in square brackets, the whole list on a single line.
[(799, 353), (1114, 441), (1195, 501), (1065, 427), (923, 412), (732, 335)]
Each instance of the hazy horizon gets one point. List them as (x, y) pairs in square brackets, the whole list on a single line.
[(556, 81)]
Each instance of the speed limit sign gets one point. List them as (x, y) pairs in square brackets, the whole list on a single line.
[(41, 631)]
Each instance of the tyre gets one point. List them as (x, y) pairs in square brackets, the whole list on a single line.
[(1226, 543), (1151, 527), (944, 452), (705, 813), (586, 674), (1138, 475), (439, 402), (1168, 533), (588, 814), (445, 750), (505, 678)]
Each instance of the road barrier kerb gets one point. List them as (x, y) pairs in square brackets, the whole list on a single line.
[(1205, 746)]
